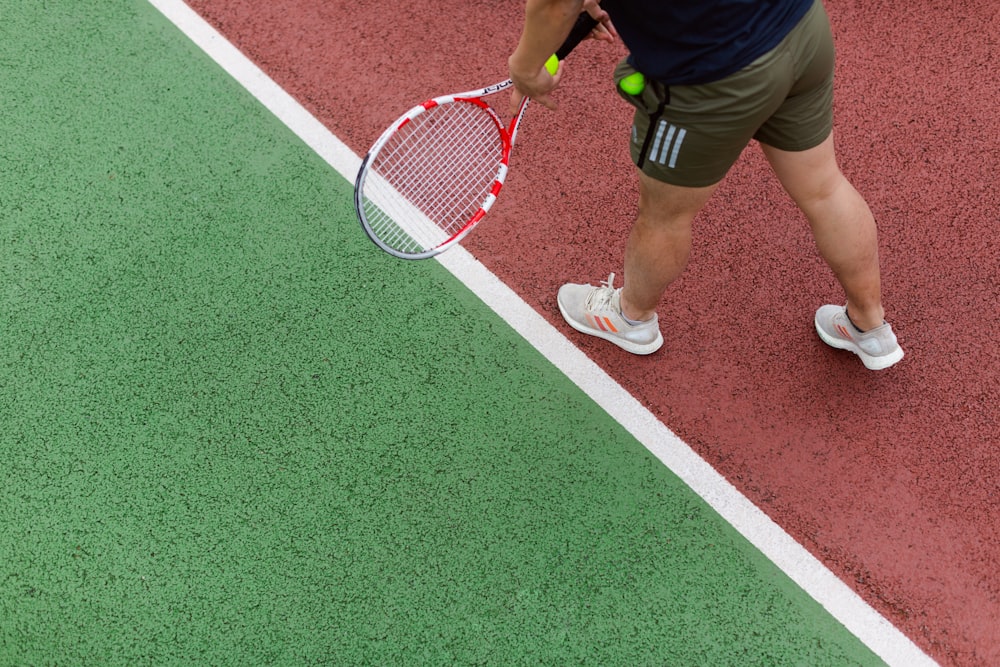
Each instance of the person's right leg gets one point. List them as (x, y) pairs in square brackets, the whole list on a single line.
[(656, 254), (659, 244)]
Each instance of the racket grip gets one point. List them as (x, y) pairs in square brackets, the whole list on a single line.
[(584, 24)]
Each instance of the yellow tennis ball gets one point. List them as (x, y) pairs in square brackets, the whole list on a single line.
[(552, 64), (633, 84)]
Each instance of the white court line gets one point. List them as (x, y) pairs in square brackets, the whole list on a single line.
[(884, 639)]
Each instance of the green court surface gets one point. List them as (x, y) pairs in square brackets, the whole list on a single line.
[(233, 432)]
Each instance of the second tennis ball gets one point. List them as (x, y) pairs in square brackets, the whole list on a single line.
[(633, 84), (552, 64)]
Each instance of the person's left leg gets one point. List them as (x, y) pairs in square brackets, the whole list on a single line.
[(841, 222), (847, 238)]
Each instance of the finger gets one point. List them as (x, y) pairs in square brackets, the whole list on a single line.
[(546, 101), (605, 30), (601, 34), (609, 28), (516, 98)]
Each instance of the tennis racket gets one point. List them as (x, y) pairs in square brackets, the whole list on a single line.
[(435, 172)]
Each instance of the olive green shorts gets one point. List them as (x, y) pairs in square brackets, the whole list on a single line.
[(690, 135)]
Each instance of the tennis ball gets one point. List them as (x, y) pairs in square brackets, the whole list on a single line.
[(633, 84), (552, 64)]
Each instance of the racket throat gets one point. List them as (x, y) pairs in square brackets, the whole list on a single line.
[(515, 124)]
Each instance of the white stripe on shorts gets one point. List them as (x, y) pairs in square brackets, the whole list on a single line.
[(666, 148)]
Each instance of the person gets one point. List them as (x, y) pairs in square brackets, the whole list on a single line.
[(717, 74)]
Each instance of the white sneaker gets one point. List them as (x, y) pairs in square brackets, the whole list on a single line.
[(597, 311), (877, 347)]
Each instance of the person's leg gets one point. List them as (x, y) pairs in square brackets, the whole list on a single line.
[(841, 222), (657, 252), (659, 244)]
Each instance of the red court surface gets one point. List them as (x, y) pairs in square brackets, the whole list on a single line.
[(892, 479)]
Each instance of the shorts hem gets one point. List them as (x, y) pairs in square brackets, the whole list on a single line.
[(680, 179), (797, 146)]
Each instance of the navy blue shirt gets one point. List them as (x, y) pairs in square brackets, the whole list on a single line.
[(699, 41)]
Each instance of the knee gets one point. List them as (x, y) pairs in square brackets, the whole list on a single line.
[(672, 207), (656, 219), (824, 190)]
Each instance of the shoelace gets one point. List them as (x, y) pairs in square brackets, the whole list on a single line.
[(599, 298)]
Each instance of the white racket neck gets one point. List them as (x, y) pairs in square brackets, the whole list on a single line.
[(491, 90), (488, 90)]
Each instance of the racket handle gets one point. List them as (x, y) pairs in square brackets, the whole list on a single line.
[(584, 24)]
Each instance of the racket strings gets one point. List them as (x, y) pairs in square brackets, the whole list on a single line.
[(432, 176)]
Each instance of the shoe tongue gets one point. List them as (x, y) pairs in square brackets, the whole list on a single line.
[(602, 298)]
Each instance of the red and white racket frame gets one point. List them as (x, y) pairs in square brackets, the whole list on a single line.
[(507, 134)]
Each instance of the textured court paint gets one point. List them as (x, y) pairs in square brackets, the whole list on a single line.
[(891, 479), (776, 545), (216, 401)]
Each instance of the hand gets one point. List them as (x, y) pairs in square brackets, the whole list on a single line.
[(537, 85), (605, 30), (530, 78)]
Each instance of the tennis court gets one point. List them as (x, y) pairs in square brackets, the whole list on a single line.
[(236, 433)]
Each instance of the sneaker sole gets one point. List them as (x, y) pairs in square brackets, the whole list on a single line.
[(627, 345), (870, 362)]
